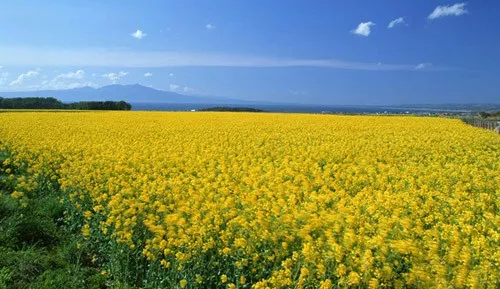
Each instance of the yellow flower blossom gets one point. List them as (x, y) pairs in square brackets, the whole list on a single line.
[(277, 200)]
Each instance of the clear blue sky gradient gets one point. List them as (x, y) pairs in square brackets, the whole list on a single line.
[(281, 51)]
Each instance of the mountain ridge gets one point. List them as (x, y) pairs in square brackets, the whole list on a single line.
[(134, 93), (139, 94)]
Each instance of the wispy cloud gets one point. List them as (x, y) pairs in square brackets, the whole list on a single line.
[(210, 26), (395, 22), (139, 34), (448, 10), (19, 56), (79, 74), (148, 74), (181, 89), (115, 77), (363, 29), (424, 65), (69, 80), (80, 84), (24, 76), (57, 84)]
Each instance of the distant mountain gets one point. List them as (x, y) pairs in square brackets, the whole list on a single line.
[(134, 93), (147, 98)]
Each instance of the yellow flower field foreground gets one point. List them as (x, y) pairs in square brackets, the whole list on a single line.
[(239, 200)]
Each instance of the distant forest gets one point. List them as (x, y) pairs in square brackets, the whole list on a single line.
[(52, 103), (494, 114)]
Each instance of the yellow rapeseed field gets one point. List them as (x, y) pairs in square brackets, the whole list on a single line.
[(240, 200)]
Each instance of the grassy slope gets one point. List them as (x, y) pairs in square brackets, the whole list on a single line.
[(37, 249)]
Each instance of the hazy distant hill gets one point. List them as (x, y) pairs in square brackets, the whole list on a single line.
[(130, 93), (147, 98)]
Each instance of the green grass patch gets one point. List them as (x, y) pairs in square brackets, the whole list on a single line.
[(37, 248)]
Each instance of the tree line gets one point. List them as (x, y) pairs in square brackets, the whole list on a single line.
[(52, 103), (494, 114)]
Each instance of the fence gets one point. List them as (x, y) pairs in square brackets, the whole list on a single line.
[(486, 124)]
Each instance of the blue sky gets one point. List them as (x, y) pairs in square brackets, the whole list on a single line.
[(321, 52)]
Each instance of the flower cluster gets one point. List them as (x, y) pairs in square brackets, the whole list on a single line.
[(276, 200)]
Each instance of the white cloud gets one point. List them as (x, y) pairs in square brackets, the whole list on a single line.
[(448, 10), (38, 83), (122, 58), (180, 88), (174, 87), (395, 22), (210, 26), (115, 77), (424, 65), (79, 74), (187, 89), (72, 79), (363, 29), (148, 74), (81, 84), (24, 76), (94, 74), (1, 66), (138, 34), (58, 84), (171, 74)]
